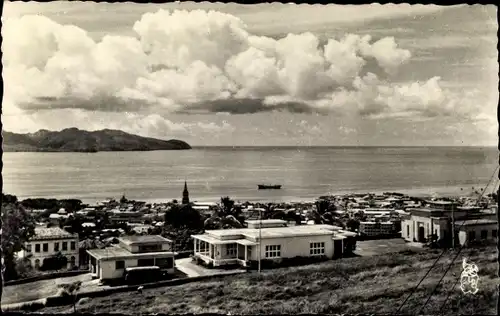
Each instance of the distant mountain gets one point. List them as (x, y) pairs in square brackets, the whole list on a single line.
[(75, 140)]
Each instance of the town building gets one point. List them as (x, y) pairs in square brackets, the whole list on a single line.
[(374, 229), (277, 241), (423, 223), (118, 217), (130, 252), (470, 231), (47, 243)]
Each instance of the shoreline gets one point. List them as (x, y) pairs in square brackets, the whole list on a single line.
[(424, 192)]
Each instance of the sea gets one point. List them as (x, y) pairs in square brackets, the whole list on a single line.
[(305, 173)]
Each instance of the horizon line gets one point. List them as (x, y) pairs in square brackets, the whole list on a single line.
[(344, 146)]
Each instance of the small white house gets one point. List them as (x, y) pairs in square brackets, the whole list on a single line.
[(48, 242), (132, 251), (274, 241)]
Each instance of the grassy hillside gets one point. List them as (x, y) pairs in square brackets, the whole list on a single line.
[(365, 285)]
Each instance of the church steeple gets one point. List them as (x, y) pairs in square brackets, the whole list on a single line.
[(185, 194)]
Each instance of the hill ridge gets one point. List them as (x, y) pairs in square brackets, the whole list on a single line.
[(73, 139)]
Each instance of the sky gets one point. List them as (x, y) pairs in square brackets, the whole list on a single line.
[(255, 75)]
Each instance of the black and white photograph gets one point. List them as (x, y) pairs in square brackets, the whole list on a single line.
[(249, 159)]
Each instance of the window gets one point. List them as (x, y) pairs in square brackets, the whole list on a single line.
[(73, 245), (204, 247), (37, 263), (56, 246), (119, 264), (494, 233), (231, 250), (145, 262), (65, 245), (317, 248), (472, 236), (37, 248), (408, 230), (72, 261), (273, 251), (45, 247), (484, 234), (28, 248)]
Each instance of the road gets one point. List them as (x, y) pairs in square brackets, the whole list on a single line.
[(191, 269), (33, 291), (39, 289), (42, 289), (381, 246)]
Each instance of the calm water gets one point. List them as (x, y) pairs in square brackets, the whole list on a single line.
[(305, 173)]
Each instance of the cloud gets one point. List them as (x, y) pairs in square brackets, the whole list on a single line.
[(151, 125), (207, 61)]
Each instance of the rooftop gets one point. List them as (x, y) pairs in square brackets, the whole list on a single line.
[(277, 232), (266, 221), (147, 239), (471, 222), (51, 232), (117, 252)]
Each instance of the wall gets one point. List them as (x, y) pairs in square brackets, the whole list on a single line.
[(108, 270), (464, 231), (295, 246), (42, 255), (429, 228)]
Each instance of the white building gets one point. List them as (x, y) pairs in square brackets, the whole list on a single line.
[(47, 242), (476, 230), (421, 223), (241, 246), (373, 229), (132, 251)]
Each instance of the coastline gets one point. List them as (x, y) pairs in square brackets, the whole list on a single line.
[(424, 192)]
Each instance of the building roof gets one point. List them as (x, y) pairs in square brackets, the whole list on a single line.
[(117, 252), (266, 221), (276, 232), (482, 221), (51, 233), (147, 239)]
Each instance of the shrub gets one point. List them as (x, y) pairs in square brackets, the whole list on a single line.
[(55, 262)]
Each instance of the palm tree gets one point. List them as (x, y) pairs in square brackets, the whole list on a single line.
[(71, 289), (225, 216)]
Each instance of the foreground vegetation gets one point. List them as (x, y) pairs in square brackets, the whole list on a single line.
[(376, 284)]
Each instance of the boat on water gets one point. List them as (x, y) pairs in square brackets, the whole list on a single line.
[(269, 187)]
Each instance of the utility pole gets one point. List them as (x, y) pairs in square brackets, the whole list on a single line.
[(260, 236), (498, 239), (453, 225)]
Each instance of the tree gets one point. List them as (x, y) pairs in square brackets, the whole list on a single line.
[(227, 215), (322, 206), (353, 224), (9, 199), (71, 289), (183, 217), (55, 262), (17, 228)]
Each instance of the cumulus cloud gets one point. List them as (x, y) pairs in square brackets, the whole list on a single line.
[(199, 61), (151, 125)]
